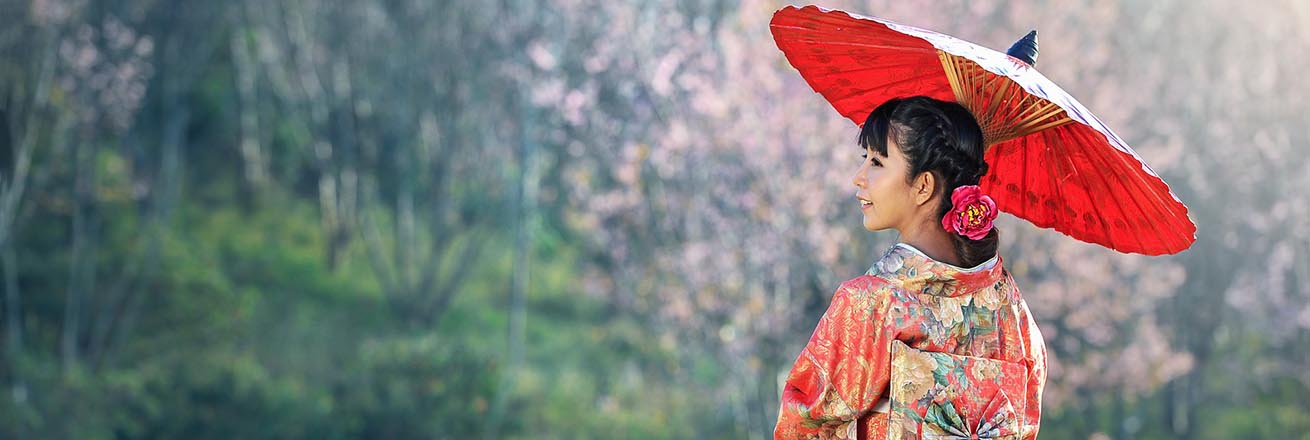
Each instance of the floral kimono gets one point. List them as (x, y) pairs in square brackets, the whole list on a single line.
[(933, 327)]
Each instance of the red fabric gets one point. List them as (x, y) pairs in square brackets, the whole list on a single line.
[(1078, 178)]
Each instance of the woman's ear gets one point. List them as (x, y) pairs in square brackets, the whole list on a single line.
[(925, 185)]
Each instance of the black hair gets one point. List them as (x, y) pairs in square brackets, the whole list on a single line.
[(940, 137)]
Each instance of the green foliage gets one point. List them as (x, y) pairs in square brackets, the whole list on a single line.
[(249, 335)]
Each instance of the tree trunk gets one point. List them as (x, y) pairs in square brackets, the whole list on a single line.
[(82, 266), (524, 208), (13, 308), (253, 157)]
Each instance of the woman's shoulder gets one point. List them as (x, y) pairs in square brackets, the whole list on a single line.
[(860, 299), (867, 285), (867, 281)]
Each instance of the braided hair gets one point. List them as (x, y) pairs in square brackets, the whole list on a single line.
[(940, 137)]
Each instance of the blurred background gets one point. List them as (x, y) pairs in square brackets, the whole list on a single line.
[(561, 219)]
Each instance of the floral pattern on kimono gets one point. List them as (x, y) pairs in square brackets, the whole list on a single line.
[(843, 372)]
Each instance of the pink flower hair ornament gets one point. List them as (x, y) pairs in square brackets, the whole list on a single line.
[(971, 212)]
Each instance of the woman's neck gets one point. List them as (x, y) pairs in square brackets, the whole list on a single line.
[(933, 242)]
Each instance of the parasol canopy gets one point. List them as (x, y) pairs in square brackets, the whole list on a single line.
[(1051, 161)]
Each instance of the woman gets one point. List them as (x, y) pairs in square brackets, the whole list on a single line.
[(941, 288)]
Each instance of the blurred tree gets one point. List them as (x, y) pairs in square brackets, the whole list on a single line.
[(103, 72), (293, 219), (1217, 88)]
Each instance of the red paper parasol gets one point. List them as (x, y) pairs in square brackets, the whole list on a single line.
[(1051, 161)]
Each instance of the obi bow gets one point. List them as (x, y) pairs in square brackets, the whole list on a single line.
[(944, 422)]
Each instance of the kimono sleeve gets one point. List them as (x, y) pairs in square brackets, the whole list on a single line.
[(1036, 346), (843, 369)]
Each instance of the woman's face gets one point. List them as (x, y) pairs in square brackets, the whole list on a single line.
[(882, 189)]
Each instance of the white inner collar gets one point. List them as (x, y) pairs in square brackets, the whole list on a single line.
[(979, 268)]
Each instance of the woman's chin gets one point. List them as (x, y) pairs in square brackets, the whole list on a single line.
[(872, 224)]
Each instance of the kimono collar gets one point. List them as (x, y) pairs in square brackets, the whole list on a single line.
[(910, 268)]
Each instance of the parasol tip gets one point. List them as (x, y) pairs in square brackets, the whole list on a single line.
[(1025, 49)]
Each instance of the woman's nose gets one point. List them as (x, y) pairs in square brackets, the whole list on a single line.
[(858, 180)]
